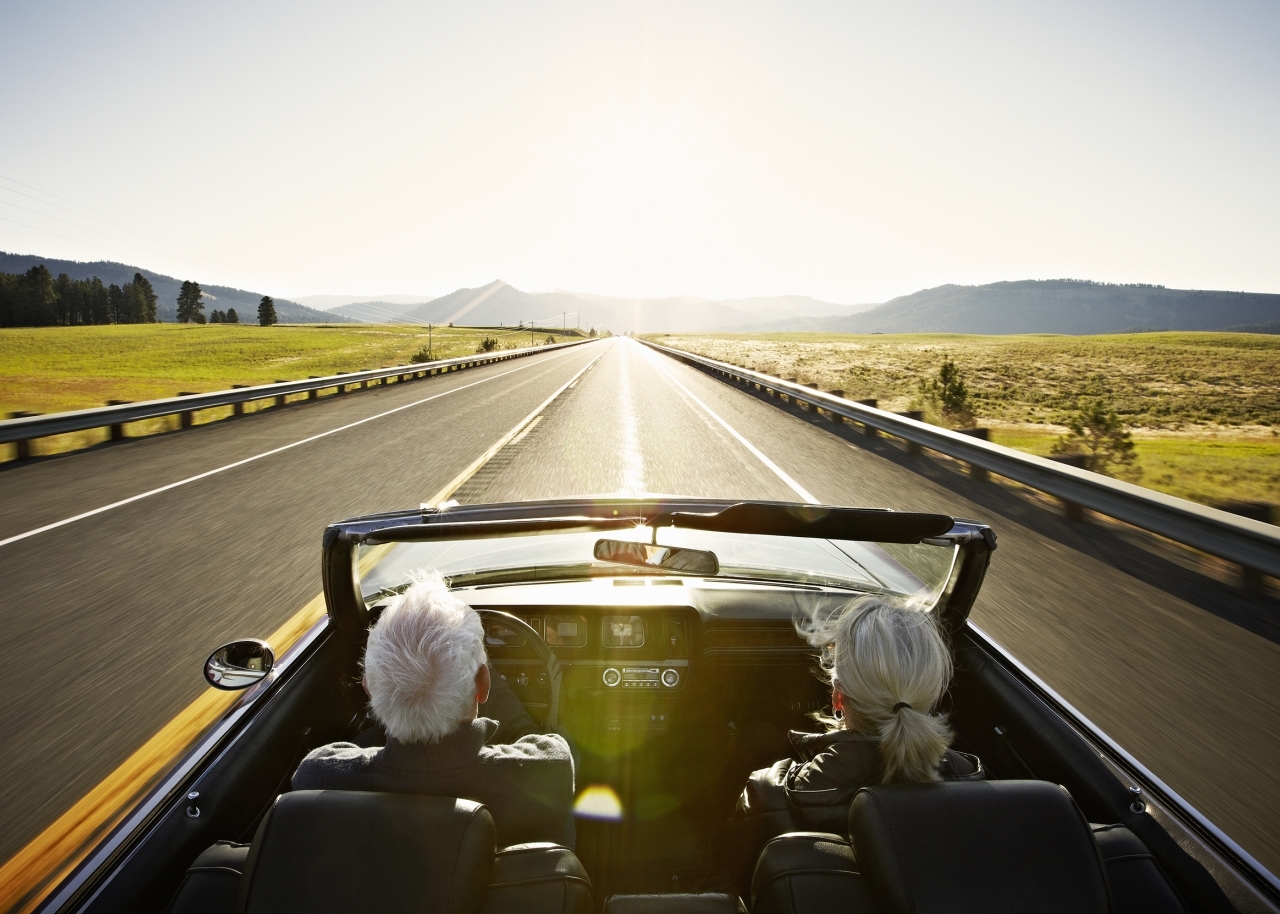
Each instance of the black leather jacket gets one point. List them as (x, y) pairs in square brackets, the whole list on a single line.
[(814, 793)]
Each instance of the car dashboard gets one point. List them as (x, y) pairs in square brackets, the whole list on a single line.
[(641, 653)]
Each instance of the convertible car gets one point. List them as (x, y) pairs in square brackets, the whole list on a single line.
[(674, 625)]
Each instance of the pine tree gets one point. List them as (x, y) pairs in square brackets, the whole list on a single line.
[(149, 298), (267, 311), (1099, 433), (37, 301), (99, 306), (231, 317), (190, 308), (135, 304), (116, 304), (215, 316)]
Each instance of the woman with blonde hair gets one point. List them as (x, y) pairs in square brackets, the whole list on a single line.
[(889, 666)]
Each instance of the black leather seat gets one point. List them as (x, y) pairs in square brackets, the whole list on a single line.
[(343, 851), (801, 872), (983, 846), (538, 878), (986, 847), (1138, 885), (327, 850)]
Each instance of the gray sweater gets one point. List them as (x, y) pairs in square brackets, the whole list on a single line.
[(527, 784)]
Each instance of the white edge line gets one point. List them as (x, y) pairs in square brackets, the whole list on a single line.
[(759, 455), (510, 437), (239, 463)]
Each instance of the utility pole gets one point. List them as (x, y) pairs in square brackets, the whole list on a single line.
[(430, 351), (563, 323)]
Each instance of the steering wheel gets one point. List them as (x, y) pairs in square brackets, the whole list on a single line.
[(540, 647)]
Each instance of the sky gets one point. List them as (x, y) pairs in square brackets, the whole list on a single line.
[(846, 150)]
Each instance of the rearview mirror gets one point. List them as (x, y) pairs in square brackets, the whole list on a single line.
[(668, 558), (239, 664)]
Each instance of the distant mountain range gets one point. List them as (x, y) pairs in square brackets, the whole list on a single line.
[(166, 289), (1064, 306), (500, 304), (1067, 306)]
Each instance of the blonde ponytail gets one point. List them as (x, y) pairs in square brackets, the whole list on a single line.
[(891, 664)]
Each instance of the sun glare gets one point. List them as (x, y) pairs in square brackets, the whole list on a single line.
[(599, 801)]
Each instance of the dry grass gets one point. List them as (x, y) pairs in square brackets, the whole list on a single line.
[(1204, 407)]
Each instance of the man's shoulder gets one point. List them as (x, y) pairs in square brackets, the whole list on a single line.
[(323, 765), (536, 747)]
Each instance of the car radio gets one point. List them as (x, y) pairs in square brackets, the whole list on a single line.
[(635, 677)]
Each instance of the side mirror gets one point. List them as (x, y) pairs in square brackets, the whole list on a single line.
[(239, 664)]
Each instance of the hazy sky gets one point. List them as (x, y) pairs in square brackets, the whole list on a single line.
[(849, 151)]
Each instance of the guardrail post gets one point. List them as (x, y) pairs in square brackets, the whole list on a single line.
[(788, 397), (23, 445), (279, 397), (342, 388), (312, 394), (809, 406), (1070, 509), (836, 417), (1250, 578), (187, 418), (982, 434), (870, 432), (237, 409), (117, 429), (918, 416)]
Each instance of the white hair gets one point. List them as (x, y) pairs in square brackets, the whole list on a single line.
[(421, 661), (890, 662)]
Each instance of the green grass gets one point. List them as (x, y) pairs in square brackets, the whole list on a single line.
[(1202, 467), (1204, 408), (52, 369)]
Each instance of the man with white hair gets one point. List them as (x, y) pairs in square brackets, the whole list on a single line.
[(427, 674)]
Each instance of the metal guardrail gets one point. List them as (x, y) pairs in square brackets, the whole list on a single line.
[(1253, 545), (31, 427)]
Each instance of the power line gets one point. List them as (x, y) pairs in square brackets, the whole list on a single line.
[(73, 203), (65, 237)]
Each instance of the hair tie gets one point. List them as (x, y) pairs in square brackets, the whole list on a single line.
[(900, 705)]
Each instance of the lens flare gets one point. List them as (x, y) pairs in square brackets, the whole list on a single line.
[(599, 801)]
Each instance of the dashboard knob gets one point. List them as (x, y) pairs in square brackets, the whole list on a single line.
[(612, 677), (670, 678)]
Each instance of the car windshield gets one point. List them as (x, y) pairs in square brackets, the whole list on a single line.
[(919, 570)]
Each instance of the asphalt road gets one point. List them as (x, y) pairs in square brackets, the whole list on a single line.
[(109, 618)]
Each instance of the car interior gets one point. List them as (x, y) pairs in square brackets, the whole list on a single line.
[(674, 689)]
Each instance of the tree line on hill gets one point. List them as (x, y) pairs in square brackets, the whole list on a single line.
[(37, 299)]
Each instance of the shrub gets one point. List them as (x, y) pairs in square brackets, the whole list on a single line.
[(1097, 432), (549, 341), (422, 355), (949, 394), (488, 344)]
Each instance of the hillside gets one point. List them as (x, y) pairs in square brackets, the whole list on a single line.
[(166, 287), (1061, 306), (501, 304), (377, 311)]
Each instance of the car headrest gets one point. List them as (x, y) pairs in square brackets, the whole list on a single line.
[(341, 851), (976, 846)]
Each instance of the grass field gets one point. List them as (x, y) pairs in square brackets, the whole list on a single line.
[(52, 369), (1204, 408)]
